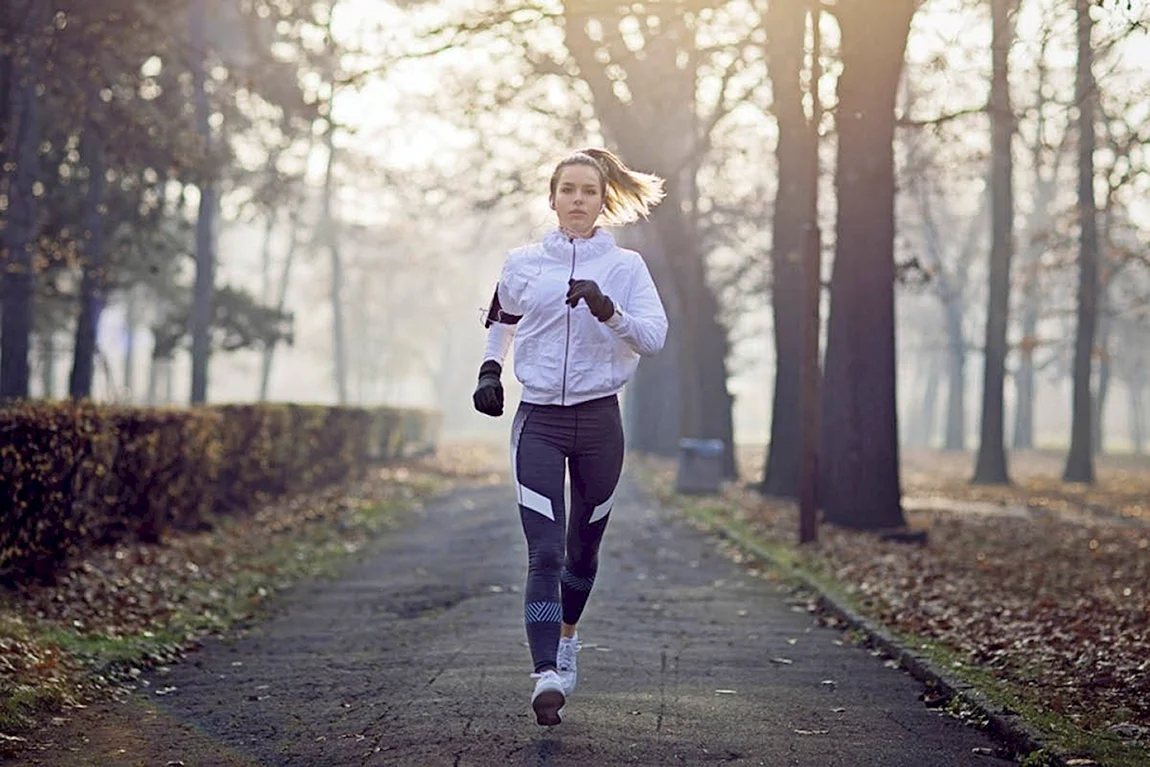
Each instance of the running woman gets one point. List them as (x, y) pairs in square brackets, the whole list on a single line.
[(581, 311)]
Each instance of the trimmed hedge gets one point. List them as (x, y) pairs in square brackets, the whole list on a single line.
[(77, 474)]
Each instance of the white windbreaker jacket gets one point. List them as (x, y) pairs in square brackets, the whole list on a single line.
[(563, 355)]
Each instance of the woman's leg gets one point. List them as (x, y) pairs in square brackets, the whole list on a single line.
[(539, 437), (596, 465)]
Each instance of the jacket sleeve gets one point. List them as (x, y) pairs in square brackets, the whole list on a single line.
[(642, 322), (505, 311), (512, 284), (499, 338)]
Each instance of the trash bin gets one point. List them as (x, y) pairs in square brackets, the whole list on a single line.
[(700, 466)]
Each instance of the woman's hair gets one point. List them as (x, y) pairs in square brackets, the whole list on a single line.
[(627, 194)]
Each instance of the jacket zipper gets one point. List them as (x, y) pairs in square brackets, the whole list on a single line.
[(567, 345)]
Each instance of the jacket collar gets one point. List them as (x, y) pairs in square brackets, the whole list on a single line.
[(557, 244)]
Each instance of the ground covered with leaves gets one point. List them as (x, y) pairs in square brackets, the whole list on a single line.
[(1042, 585), (114, 611)]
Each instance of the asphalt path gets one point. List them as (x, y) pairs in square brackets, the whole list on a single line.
[(417, 656)]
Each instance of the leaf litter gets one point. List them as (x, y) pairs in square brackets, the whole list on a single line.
[(1052, 594), (114, 610)]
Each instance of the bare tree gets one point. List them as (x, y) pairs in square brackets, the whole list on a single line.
[(205, 221), (21, 226), (990, 468), (1080, 459), (92, 284), (786, 26), (859, 454)]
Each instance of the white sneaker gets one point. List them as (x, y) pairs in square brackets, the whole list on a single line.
[(548, 699), (565, 660)]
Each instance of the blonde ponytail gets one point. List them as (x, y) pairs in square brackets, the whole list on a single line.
[(627, 194)]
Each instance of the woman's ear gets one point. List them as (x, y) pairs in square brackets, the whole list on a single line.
[(551, 202)]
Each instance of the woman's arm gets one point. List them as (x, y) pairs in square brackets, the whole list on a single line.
[(503, 314), (642, 323), (499, 338)]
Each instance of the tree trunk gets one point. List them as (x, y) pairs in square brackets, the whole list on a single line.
[(92, 282), (281, 299), (654, 391), (130, 320), (6, 105), (339, 351), (859, 459), (928, 412), (1037, 229), (48, 365), (205, 222), (786, 49), (718, 404), (1024, 378), (169, 380), (991, 468), (153, 382), (1137, 414), (1104, 373), (1080, 459), (266, 258), (267, 285), (19, 236), (651, 395), (809, 378), (955, 437)]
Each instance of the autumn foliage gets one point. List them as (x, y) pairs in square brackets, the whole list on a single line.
[(74, 474)]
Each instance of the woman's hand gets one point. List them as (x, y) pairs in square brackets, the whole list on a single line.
[(488, 395), (600, 305)]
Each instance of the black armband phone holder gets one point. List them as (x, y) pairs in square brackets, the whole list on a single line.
[(495, 313)]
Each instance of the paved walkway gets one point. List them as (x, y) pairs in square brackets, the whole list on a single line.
[(418, 657)]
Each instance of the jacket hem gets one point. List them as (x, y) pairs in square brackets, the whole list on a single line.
[(533, 397)]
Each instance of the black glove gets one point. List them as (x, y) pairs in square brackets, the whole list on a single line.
[(488, 396), (599, 304)]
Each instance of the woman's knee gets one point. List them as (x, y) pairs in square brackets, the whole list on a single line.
[(546, 559)]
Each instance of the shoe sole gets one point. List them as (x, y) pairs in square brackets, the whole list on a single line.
[(547, 706)]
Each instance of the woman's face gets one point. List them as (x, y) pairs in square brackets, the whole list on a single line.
[(578, 201)]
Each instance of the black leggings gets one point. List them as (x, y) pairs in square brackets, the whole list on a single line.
[(562, 555)]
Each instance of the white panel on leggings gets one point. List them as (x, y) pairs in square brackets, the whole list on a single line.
[(602, 509), (536, 502)]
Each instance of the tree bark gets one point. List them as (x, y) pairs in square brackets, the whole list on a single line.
[(17, 301), (991, 465), (205, 221), (786, 47), (1080, 459), (92, 282), (859, 459)]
